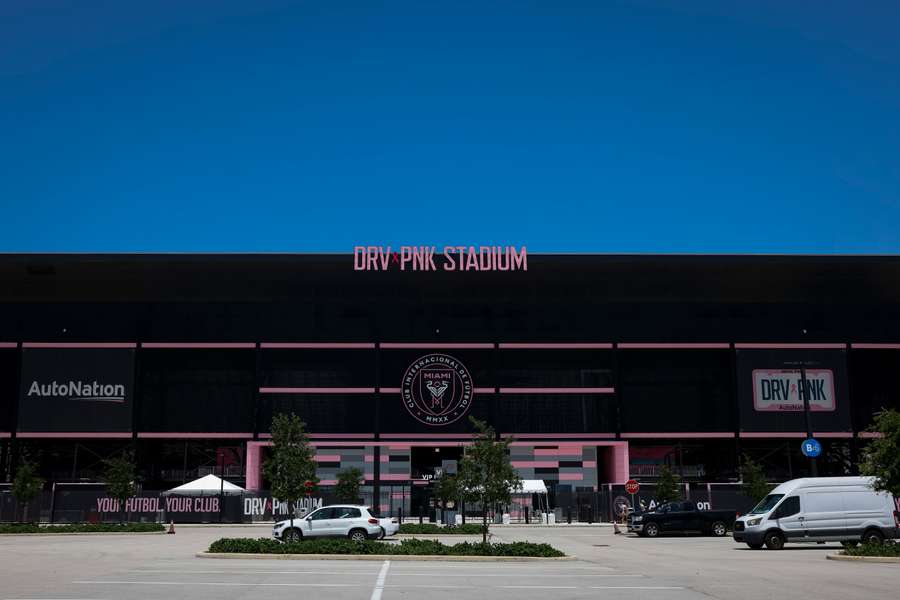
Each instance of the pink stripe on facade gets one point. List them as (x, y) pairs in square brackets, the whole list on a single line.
[(772, 434), (5, 434), (79, 345), (485, 390), (369, 458), (677, 346), (557, 390), (327, 481), (74, 434), (192, 435), (589, 464), (200, 345), (430, 436), (317, 345), (316, 390), (435, 346), (870, 434), (330, 436), (676, 434), (835, 434), (9, 345), (328, 458), (789, 346), (567, 451), (530, 464), (400, 446), (571, 476), (554, 346), (875, 346), (394, 477), (388, 390), (555, 436)]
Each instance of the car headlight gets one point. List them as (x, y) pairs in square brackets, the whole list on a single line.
[(638, 519), (754, 522)]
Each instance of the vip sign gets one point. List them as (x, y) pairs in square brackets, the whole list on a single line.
[(779, 390)]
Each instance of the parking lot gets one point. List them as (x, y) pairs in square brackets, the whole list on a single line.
[(608, 566)]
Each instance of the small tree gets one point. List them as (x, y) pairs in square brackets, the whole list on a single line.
[(485, 473), (667, 488), (119, 476), (754, 482), (347, 487), (292, 462), (446, 490), (882, 456), (26, 486)]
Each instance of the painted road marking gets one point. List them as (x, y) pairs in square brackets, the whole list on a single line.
[(379, 583), (394, 572), (219, 583), (635, 587)]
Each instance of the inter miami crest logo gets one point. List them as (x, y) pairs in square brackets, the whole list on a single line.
[(437, 389)]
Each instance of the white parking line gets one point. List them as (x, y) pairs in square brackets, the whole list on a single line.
[(379, 583), (216, 583), (394, 572), (635, 587)]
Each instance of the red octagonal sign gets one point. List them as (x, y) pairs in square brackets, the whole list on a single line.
[(632, 486)]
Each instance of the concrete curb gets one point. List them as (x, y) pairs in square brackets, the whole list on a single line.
[(868, 559), (390, 557), (61, 533)]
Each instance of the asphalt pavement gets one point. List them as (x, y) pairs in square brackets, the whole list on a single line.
[(622, 567)]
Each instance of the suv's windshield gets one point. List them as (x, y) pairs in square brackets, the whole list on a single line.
[(766, 504)]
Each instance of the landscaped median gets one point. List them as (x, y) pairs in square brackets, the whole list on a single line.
[(406, 550), (432, 529), (32, 528), (885, 552)]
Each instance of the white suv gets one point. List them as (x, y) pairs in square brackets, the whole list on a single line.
[(339, 520)]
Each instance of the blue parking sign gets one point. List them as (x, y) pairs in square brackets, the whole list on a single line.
[(811, 448)]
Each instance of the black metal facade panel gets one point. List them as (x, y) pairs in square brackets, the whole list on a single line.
[(560, 297)]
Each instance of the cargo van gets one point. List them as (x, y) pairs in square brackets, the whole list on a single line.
[(820, 509)]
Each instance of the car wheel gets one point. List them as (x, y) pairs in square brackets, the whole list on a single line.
[(849, 543), (872, 536), (719, 529), (383, 534), (651, 530), (774, 541), (754, 546), (358, 535), (292, 535)]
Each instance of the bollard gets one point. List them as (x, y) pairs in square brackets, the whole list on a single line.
[(526, 516), (569, 515), (171, 527), (590, 515)]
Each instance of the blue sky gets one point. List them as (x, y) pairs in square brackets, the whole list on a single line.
[(625, 126)]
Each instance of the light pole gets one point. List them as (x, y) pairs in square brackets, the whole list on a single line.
[(813, 469)]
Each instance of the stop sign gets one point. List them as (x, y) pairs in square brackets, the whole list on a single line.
[(632, 486)]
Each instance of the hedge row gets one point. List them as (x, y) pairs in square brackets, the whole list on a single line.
[(432, 529), (81, 528), (887, 548), (406, 547)]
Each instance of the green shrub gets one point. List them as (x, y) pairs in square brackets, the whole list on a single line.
[(406, 547), (82, 528), (887, 548)]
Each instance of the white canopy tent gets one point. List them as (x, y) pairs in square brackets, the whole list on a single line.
[(527, 487), (207, 485)]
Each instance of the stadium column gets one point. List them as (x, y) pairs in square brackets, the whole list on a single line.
[(376, 448)]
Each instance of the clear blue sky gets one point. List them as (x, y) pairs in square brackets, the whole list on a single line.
[(624, 126)]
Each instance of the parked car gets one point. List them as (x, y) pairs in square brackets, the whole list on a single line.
[(340, 520), (820, 509), (681, 517), (389, 526)]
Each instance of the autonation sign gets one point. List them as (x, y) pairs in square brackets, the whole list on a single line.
[(79, 390), (451, 258)]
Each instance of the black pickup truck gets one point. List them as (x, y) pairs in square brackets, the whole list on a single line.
[(681, 517)]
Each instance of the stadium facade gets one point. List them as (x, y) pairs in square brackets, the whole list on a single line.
[(601, 366)]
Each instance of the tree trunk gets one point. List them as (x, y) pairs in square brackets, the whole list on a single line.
[(292, 516), (484, 520)]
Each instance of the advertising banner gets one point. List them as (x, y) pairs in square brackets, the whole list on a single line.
[(769, 390), (71, 390)]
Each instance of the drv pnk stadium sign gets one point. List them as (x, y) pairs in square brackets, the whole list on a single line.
[(449, 258)]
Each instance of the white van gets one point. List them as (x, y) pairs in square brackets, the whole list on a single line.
[(820, 509)]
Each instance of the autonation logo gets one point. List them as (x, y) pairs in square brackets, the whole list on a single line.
[(91, 391)]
